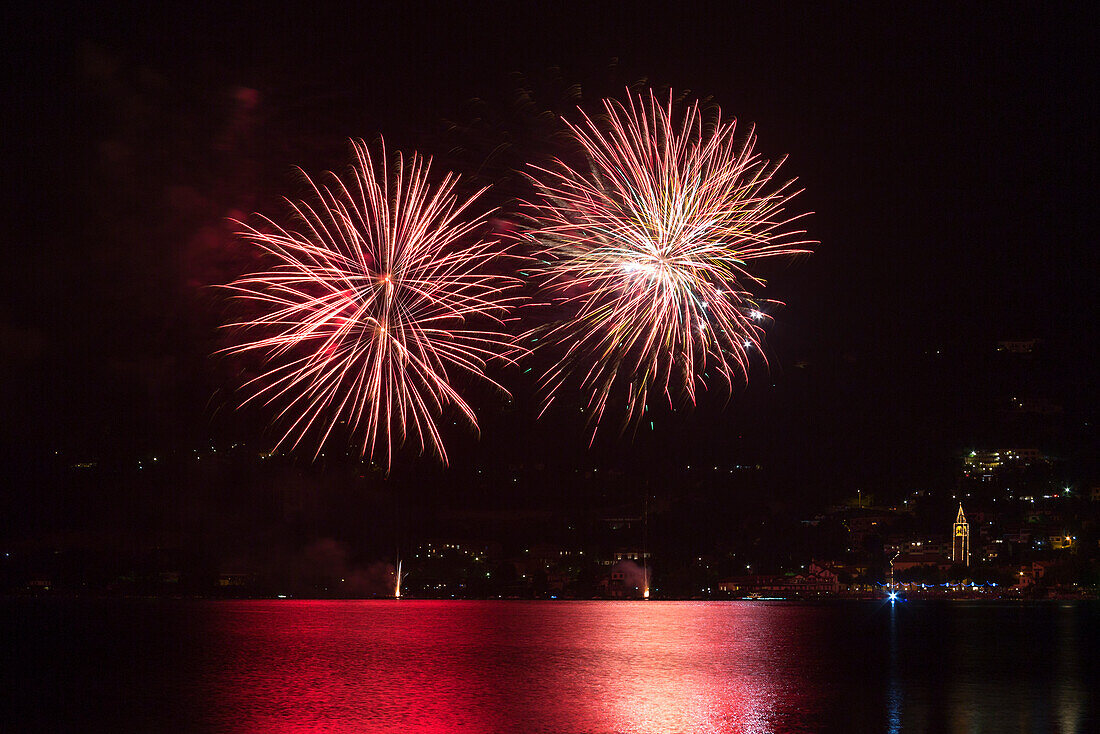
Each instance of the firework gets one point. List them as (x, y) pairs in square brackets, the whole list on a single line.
[(648, 249), (371, 305)]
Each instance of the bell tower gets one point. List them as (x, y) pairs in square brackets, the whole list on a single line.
[(960, 539)]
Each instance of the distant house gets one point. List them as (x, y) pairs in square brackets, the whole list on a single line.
[(1017, 346), (815, 580), (854, 570), (1028, 575), (235, 580), (625, 580), (1062, 542), (631, 554), (557, 581), (905, 561)]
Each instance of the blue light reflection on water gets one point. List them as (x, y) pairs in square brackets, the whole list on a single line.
[(894, 692), (425, 666)]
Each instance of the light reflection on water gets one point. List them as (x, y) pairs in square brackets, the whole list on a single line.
[(893, 693), (484, 667)]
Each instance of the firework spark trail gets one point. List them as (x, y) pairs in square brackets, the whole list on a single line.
[(372, 305), (649, 249)]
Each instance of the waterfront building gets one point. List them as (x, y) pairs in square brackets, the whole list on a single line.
[(815, 580), (637, 555), (931, 559)]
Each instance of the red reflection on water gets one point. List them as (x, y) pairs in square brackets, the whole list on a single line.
[(665, 671), (352, 667), (427, 667), (595, 667)]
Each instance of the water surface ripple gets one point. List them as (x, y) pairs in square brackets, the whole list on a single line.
[(575, 667)]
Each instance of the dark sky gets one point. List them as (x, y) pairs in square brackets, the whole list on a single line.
[(949, 156)]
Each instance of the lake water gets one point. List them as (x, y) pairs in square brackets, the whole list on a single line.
[(510, 666)]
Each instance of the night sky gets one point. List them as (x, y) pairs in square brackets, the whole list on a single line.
[(949, 157)]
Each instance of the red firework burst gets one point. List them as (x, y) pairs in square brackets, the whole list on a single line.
[(380, 296), (649, 247)]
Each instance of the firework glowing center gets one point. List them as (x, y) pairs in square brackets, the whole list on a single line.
[(648, 246), (369, 309), (657, 268)]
